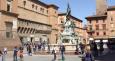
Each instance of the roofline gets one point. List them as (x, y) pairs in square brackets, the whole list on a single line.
[(96, 16), (111, 8), (53, 5), (71, 16), (39, 2), (44, 4)]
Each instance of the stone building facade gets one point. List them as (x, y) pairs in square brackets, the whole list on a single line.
[(101, 26), (38, 20), (8, 23), (24, 21), (27, 20)]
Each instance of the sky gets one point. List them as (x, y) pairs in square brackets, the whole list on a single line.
[(79, 8)]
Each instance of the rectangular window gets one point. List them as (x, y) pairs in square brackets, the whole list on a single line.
[(96, 21), (90, 27), (47, 11), (9, 30), (91, 34), (97, 27), (103, 21), (42, 10), (104, 26), (24, 3), (111, 19), (32, 5), (104, 33), (90, 21), (97, 33), (8, 7), (36, 7)]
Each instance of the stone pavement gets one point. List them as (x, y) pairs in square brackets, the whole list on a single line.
[(39, 57), (110, 56), (47, 58)]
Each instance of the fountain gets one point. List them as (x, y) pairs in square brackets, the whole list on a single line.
[(69, 37)]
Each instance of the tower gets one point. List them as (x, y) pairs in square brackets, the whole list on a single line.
[(101, 7)]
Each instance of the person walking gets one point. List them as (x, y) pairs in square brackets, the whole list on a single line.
[(20, 54), (1, 56), (29, 50), (95, 54), (81, 46), (101, 49), (5, 50), (34, 48), (54, 53), (4, 53), (62, 49), (87, 56), (15, 53)]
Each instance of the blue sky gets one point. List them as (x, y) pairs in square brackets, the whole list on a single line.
[(79, 8)]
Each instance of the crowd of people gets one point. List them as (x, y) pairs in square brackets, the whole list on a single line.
[(93, 49), (17, 54), (31, 48), (89, 51)]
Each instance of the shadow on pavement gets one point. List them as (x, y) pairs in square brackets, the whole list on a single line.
[(107, 57)]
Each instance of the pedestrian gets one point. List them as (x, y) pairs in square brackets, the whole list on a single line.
[(81, 48), (48, 48), (101, 49), (39, 46), (20, 54), (15, 53), (29, 50), (87, 56), (62, 50), (95, 54), (5, 50), (1, 56), (54, 53)]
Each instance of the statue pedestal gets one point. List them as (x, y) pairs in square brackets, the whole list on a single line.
[(68, 47)]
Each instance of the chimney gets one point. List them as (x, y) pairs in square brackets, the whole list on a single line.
[(101, 7)]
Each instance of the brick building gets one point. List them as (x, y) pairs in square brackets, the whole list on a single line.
[(101, 27), (26, 20)]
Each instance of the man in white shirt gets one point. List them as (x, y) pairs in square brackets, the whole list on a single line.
[(5, 50)]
